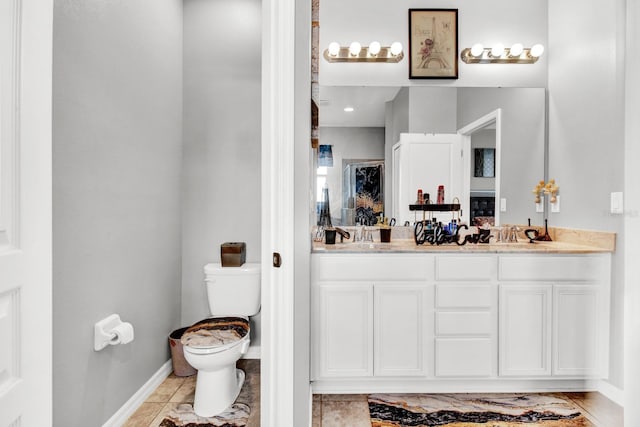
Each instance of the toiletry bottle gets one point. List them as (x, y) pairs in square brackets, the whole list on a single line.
[(440, 200), (419, 200)]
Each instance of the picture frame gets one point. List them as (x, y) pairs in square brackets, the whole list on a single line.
[(433, 43), (484, 163)]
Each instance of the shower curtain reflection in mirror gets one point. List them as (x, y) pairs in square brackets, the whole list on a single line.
[(363, 191)]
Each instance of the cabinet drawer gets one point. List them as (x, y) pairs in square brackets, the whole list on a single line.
[(373, 267), (463, 323), (464, 357), (464, 295), (545, 267), (465, 267)]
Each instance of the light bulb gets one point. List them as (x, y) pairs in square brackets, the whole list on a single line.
[(516, 50), (477, 49), (396, 48), (334, 49), (497, 50), (374, 48), (536, 50), (354, 48)]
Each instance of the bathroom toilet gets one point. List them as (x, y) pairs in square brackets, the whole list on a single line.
[(214, 345)]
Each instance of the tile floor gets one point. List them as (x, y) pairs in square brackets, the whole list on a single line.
[(352, 410), (329, 410), (176, 390)]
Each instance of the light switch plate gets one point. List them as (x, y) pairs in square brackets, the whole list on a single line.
[(503, 204), (555, 207), (617, 203), (540, 206)]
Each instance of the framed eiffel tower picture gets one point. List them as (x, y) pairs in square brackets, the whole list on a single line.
[(433, 43)]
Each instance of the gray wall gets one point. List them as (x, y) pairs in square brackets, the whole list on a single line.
[(586, 131), (522, 150), (432, 109), (523, 133), (221, 164), (117, 108)]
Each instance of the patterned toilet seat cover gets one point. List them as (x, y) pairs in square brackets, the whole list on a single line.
[(215, 332)]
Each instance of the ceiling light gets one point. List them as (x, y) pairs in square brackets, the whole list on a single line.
[(536, 50), (334, 48), (348, 109), (396, 48), (516, 54), (354, 48), (516, 50), (497, 50), (477, 50), (374, 48), (355, 52)]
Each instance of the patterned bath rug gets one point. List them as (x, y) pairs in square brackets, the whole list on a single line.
[(473, 410), (237, 415)]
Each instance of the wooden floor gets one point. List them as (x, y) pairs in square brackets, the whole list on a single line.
[(352, 410)]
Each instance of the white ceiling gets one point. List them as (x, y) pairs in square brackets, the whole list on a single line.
[(368, 103)]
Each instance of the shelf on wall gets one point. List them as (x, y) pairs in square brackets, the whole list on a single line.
[(435, 208)]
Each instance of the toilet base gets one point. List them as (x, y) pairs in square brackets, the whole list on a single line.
[(217, 390)]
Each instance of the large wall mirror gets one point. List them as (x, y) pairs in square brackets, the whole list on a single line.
[(362, 124)]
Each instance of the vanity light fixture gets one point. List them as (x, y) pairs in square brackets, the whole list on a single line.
[(355, 52), (498, 54)]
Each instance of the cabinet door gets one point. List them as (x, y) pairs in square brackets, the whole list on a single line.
[(578, 325), (401, 315), (345, 335), (525, 329)]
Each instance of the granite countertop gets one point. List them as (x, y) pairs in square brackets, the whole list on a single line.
[(409, 246), (568, 241)]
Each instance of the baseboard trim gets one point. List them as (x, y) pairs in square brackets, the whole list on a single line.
[(253, 352), (435, 385), (611, 392), (131, 405)]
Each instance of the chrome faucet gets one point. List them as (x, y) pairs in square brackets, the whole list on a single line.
[(513, 234)]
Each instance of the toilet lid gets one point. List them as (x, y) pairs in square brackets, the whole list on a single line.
[(215, 332)]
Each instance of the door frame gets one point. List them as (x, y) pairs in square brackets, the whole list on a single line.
[(466, 132), (278, 219), (26, 250)]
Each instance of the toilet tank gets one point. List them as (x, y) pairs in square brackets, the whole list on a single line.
[(233, 291)]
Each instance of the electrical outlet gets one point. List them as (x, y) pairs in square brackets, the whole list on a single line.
[(503, 204), (617, 203), (540, 206), (555, 207)]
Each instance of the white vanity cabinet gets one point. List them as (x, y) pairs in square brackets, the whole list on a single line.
[(371, 316), (466, 324), (554, 315), (437, 322), (525, 329), (344, 329)]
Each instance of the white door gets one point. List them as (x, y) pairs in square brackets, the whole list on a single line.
[(525, 330), (402, 314), (577, 320), (25, 212), (345, 319), (426, 161)]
